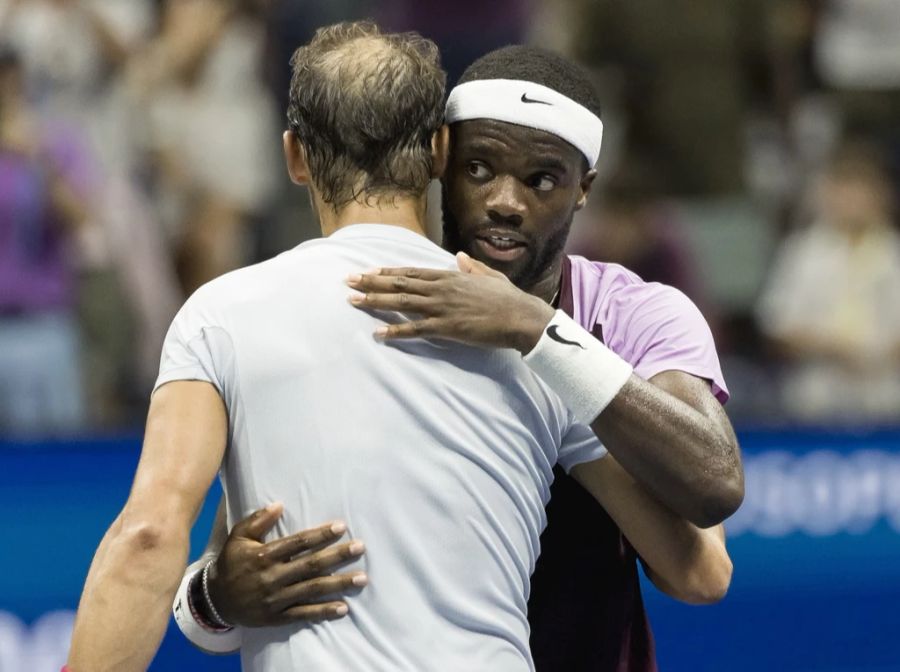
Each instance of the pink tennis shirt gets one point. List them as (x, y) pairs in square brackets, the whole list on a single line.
[(585, 609), (654, 327)]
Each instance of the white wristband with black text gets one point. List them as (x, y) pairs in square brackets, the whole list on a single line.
[(198, 634), (585, 373)]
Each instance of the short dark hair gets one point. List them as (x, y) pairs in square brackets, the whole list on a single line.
[(365, 106), (537, 65)]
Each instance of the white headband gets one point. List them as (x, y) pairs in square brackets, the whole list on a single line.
[(528, 104)]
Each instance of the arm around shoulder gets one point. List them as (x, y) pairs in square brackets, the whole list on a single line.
[(686, 562)]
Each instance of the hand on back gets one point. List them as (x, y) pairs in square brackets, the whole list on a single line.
[(287, 580)]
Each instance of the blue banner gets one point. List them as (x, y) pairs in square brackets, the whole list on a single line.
[(816, 549)]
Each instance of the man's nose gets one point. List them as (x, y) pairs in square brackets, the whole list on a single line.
[(505, 202)]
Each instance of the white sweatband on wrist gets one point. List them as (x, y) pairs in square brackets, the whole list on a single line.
[(580, 369), (525, 103), (199, 635)]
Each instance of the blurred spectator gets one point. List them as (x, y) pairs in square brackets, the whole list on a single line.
[(74, 52), (212, 130), (832, 304), (45, 191)]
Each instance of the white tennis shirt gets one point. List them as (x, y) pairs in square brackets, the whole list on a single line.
[(438, 456)]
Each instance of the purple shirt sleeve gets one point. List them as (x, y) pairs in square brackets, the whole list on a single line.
[(654, 327), (662, 330)]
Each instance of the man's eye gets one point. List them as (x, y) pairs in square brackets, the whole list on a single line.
[(478, 170), (543, 182)]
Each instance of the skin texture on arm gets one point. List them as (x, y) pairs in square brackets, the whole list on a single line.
[(125, 605), (672, 434)]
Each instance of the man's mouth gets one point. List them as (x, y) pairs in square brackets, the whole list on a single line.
[(501, 245)]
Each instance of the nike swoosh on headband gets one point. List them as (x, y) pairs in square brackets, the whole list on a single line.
[(526, 99)]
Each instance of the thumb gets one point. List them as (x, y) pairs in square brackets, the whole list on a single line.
[(467, 264), (257, 524)]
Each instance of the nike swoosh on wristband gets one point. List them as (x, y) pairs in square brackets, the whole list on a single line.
[(526, 99), (552, 333)]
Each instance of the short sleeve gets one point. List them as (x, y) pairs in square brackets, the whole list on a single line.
[(579, 445), (191, 349), (665, 331)]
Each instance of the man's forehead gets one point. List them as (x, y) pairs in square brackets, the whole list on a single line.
[(502, 136)]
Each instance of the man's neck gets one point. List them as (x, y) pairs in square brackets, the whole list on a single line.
[(402, 211), (550, 283)]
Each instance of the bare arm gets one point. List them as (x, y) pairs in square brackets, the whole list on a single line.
[(689, 563), (128, 593), (673, 433)]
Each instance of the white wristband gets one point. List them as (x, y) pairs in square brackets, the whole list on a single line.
[(197, 634), (580, 369)]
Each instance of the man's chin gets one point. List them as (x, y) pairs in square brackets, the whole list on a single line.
[(510, 268)]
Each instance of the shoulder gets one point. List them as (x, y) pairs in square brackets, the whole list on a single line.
[(654, 327), (605, 290), (249, 282)]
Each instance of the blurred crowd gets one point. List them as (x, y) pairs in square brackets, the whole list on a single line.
[(751, 158)]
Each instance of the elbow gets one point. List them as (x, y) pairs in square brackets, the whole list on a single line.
[(710, 585), (141, 538), (721, 491), (720, 500)]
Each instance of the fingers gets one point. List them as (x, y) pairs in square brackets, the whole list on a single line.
[(315, 589), (407, 303), (467, 264), (327, 611), (413, 329), (284, 549), (311, 565), (257, 524), (380, 291), (427, 274), (376, 282)]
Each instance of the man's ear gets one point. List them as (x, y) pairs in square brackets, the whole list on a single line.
[(586, 181), (295, 157), (440, 150)]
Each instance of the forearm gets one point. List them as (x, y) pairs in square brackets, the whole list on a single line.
[(670, 433), (125, 606), (684, 561), (687, 458)]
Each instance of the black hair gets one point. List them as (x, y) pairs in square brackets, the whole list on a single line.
[(537, 65)]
